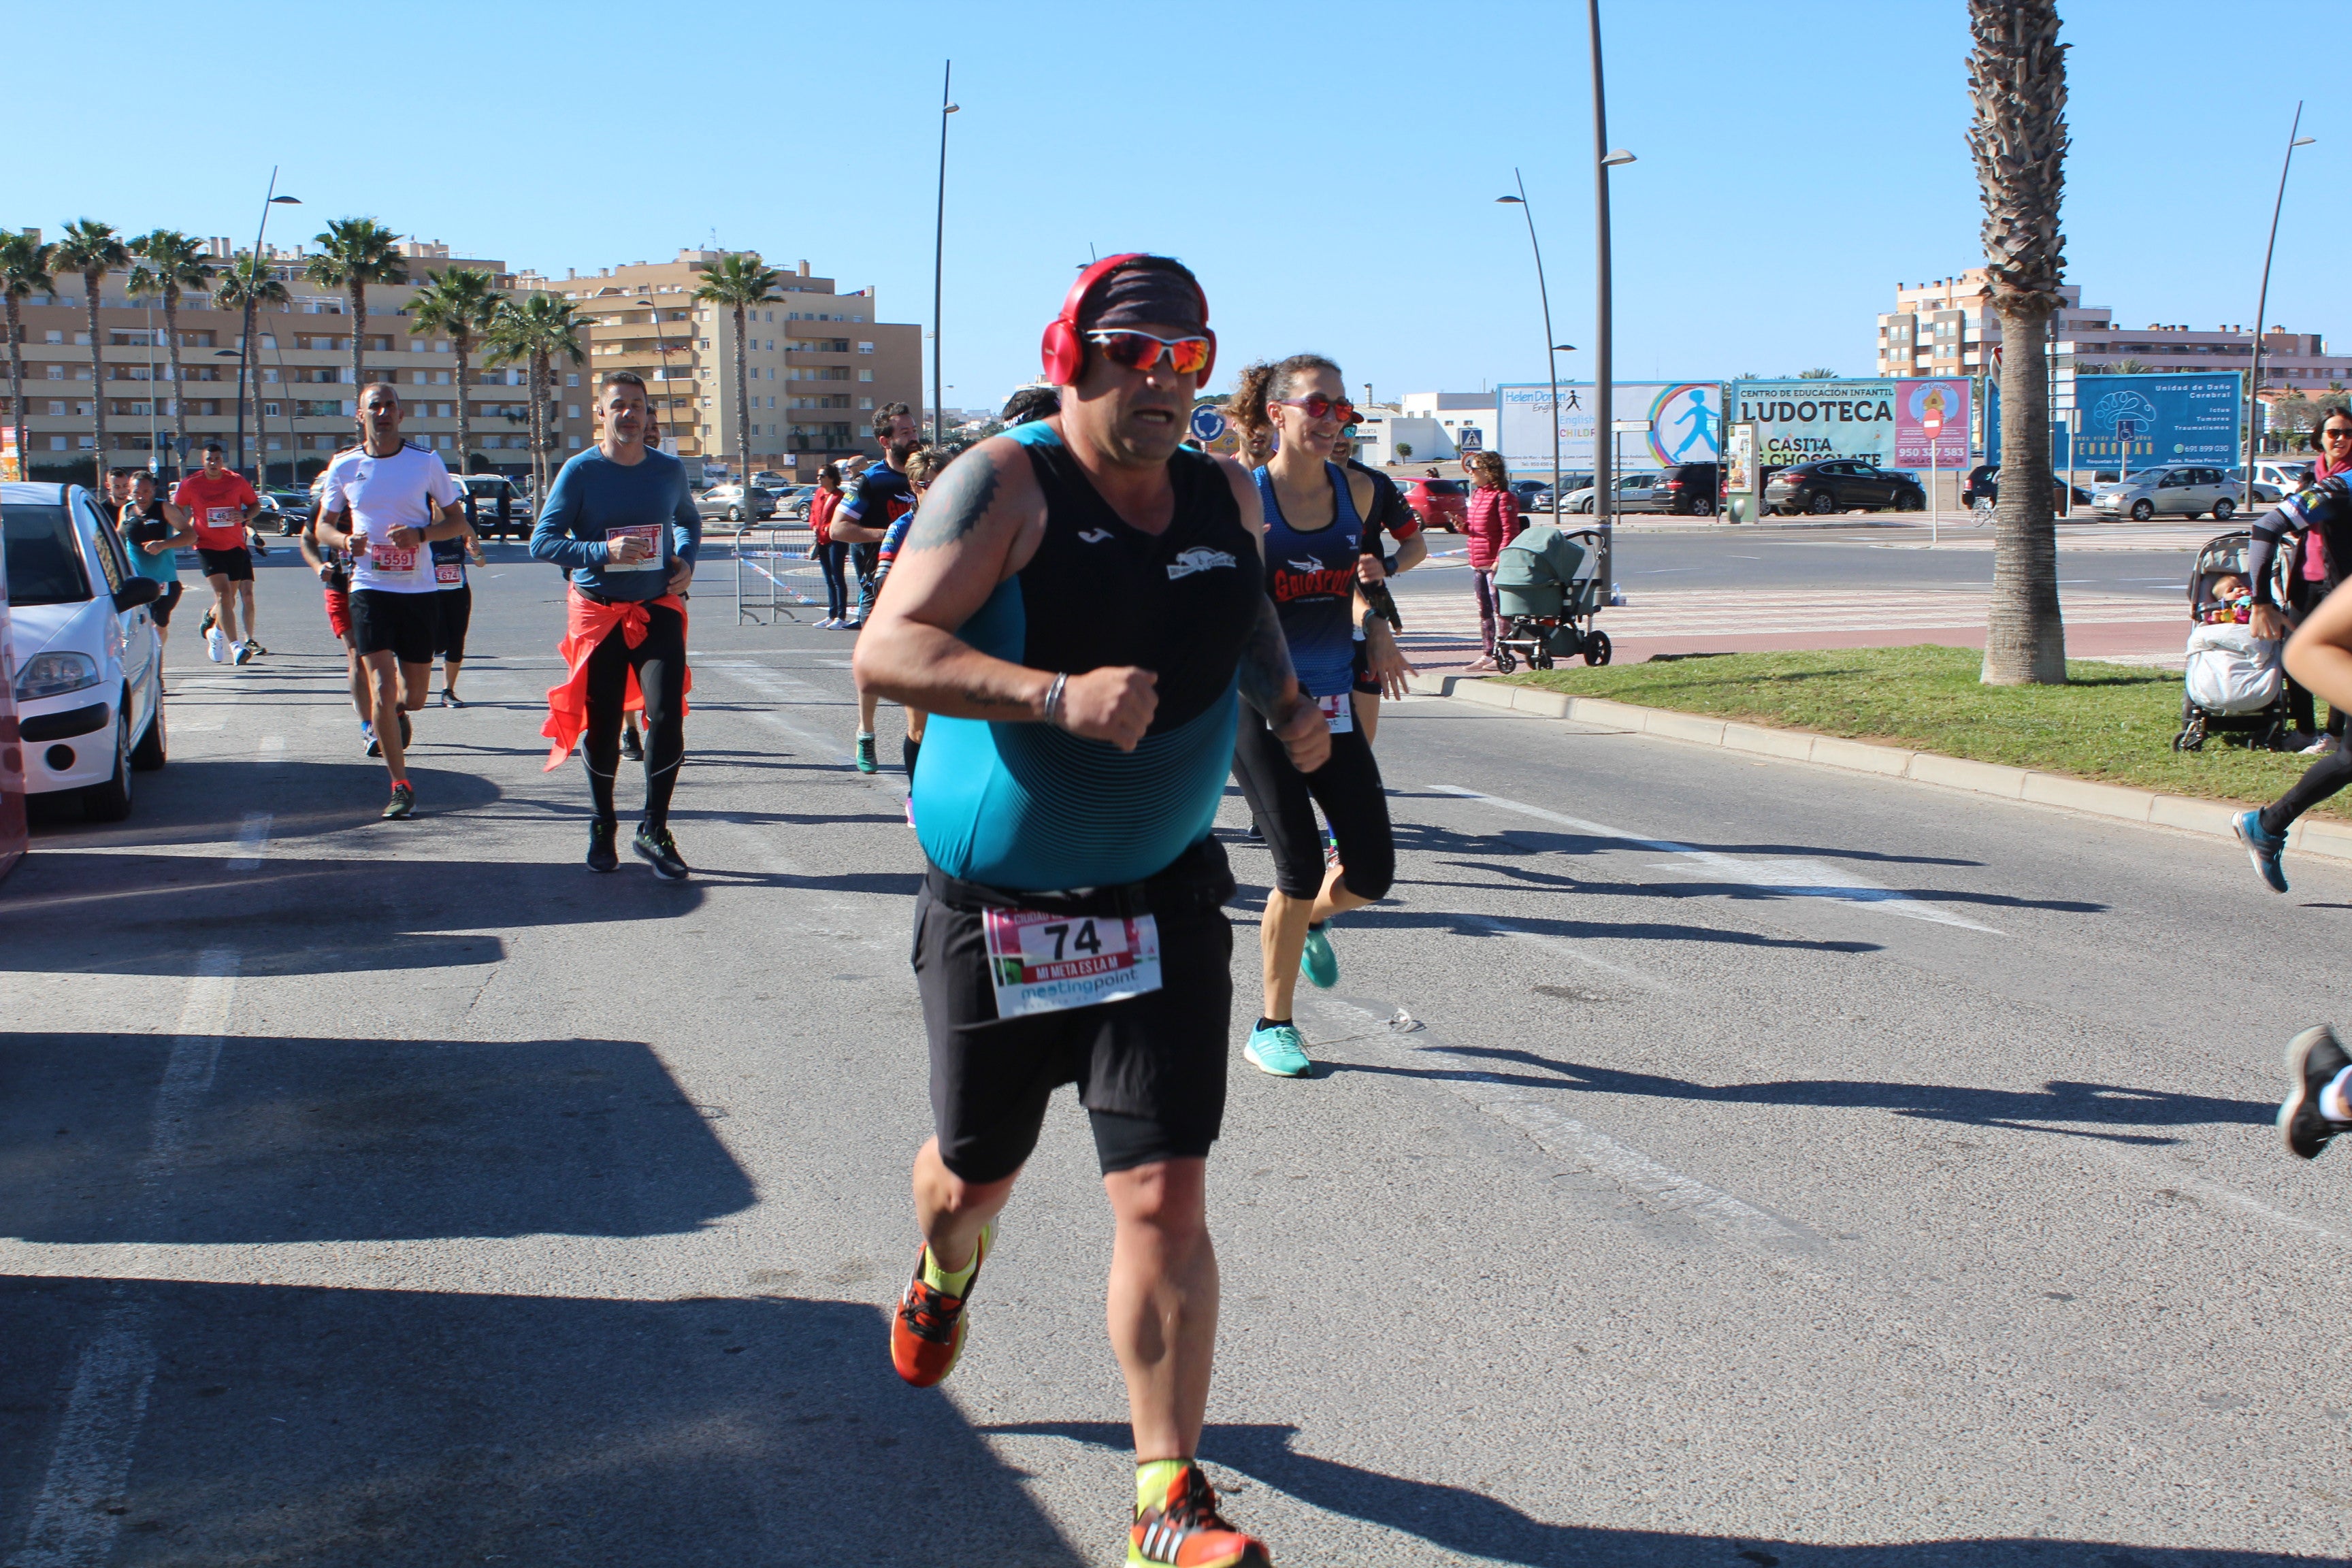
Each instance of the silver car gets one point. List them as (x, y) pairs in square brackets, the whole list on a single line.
[(1636, 492), (733, 502), (2178, 489)]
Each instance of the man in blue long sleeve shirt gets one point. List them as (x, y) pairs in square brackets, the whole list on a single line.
[(620, 520)]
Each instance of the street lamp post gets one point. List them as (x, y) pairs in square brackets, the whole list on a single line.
[(1605, 367), (2263, 300), (253, 310), (1551, 350), (938, 248), (661, 352)]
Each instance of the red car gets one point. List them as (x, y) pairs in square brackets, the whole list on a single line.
[(1438, 503)]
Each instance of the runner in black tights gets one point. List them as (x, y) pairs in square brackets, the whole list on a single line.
[(2317, 1109), (2319, 518), (621, 522), (1315, 529)]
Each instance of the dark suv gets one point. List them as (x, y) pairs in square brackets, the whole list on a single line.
[(1842, 484), (1690, 489)]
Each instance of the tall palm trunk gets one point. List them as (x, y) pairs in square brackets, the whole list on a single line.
[(358, 291), (179, 397), (91, 283), (537, 423), (17, 384), (464, 344), (2017, 76), (248, 356), (743, 402)]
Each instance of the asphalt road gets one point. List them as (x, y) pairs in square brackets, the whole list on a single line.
[(1787, 1168)]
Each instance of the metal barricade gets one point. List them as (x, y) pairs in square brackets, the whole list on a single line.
[(772, 572)]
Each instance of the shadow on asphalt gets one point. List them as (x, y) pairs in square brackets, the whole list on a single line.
[(1380, 917), (2027, 1110), (291, 1425), (1859, 892), (1456, 1518), (310, 1139)]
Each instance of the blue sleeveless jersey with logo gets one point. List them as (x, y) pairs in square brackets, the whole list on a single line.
[(1029, 807), (1312, 578)]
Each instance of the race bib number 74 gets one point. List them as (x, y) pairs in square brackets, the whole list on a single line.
[(1042, 963)]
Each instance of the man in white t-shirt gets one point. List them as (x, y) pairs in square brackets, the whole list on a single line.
[(384, 501)]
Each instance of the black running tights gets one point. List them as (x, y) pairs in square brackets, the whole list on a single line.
[(2321, 779), (660, 664), (1348, 788)]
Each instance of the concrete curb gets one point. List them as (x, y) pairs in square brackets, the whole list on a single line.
[(2330, 840)]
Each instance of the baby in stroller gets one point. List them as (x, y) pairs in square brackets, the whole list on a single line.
[(2234, 682)]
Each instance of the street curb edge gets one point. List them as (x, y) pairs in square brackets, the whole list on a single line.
[(2117, 802)]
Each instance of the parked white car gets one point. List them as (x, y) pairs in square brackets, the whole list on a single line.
[(82, 655), (1636, 492)]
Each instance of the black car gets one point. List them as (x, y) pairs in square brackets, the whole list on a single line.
[(1982, 490), (1842, 484), (1690, 489)]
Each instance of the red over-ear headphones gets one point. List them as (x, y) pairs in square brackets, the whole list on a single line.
[(1064, 353)]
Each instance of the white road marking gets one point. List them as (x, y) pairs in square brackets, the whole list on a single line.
[(272, 748), (252, 841), (1566, 949), (2171, 1176), (1790, 879), (71, 1526), (1660, 1185)]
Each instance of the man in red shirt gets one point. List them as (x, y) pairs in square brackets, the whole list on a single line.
[(222, 506)]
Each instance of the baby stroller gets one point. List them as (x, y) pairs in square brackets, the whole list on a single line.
[(2235, 683), (1545, 607)]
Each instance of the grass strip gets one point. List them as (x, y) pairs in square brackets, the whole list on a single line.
[(2113, 722)]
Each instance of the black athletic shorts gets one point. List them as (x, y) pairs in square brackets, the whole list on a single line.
[(405, 625), (237, 565), (1150, 1071), (1283, 799), (162, 608), (1365, 681), (456, 614)]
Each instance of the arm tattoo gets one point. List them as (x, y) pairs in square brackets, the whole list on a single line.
[(1266, 673), (954, 507)]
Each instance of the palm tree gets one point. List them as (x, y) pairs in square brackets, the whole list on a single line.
[(737, 284), (540, 330), (93, 249), (2017, 75), (248, 284), (460, 304), (353, 253), (172, 263), (24, 272)]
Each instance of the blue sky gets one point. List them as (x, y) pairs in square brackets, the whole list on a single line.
[(1328, 170)]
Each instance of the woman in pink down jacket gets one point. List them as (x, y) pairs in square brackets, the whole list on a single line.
[(1492, 520)]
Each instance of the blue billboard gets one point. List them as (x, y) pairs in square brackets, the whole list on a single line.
[(2127, 422)]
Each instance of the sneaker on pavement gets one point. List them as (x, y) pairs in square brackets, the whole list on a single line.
[(1317, 961), (255, 648), (631, 747), (369, 745), (451, 700), (402, 805), (601, 854), (244, 654), (215, 644), (2314, 1058), (1278, 1050), (2262, 848), (867, 761), (1184, 1529), (659, 850), (926, 1330)]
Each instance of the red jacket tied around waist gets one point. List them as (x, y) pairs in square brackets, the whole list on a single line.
[(586, 625)]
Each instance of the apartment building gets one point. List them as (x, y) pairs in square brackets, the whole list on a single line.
[(1948, 327), (301, 358), (820, 361)]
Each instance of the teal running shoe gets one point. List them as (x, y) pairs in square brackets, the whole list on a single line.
[(865, 759), (1317, 961), (1278, 1050)]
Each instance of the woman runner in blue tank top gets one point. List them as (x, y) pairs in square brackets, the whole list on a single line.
[(1313, 554)]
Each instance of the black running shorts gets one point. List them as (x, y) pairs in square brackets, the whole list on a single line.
[(456, 614), (162, 608), (1283, 799), (1150, 1071), (405, 625), (237, 565)]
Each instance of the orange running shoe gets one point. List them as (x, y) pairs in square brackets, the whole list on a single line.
[(1184, 1529), (927, 1331)]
